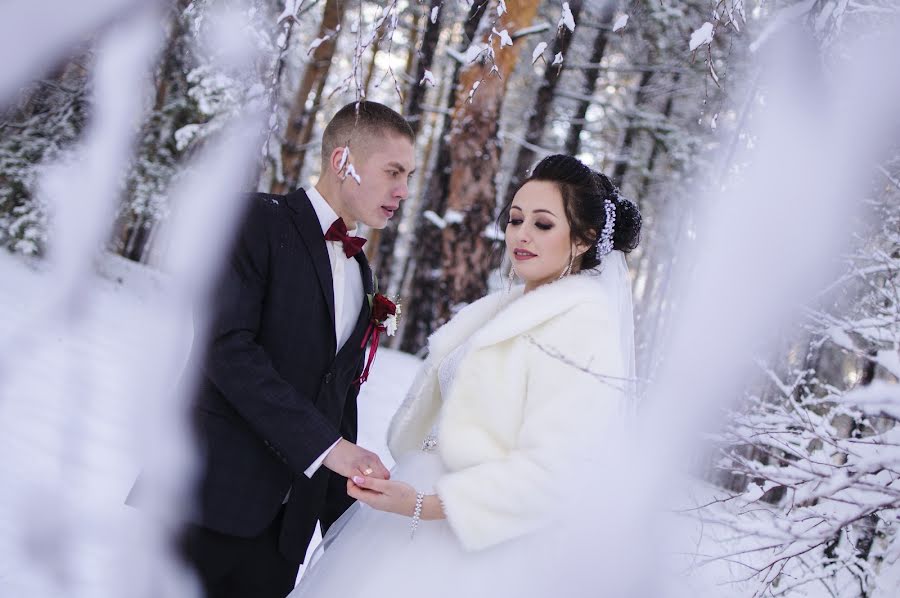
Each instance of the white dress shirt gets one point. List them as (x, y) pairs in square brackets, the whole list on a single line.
[(346, 278)]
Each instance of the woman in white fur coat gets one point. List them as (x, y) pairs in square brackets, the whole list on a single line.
[(505, 415)]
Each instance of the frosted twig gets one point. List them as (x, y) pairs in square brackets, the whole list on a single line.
[(605, 378)]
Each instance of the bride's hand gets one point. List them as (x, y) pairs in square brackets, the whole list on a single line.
[(384, 495)]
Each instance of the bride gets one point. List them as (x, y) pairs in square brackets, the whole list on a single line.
[(505, 418)]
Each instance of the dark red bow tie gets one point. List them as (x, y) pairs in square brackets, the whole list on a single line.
[(338, 232)]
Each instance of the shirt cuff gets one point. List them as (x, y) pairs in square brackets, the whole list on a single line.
[(312, 469)]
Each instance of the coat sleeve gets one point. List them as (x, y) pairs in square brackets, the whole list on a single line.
[(565, 409), (239, 367), (337, 500)]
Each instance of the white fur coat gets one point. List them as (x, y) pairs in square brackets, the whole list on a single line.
[(520, 415)]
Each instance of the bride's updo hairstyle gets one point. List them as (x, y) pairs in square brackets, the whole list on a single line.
[(584, 193)]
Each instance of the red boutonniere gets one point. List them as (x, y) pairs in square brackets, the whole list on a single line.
[(385, 314)]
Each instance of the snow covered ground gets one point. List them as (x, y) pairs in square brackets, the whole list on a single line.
[(73, 430), (71, 433)]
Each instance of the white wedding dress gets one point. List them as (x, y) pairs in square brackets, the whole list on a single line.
[(372, 554)]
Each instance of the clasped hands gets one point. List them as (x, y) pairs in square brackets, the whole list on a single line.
[(348, 459), (384, 495), (393, 497), (368, 481), (374, 487)]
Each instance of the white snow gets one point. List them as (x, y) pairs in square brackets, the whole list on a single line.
[(38, 34), (505, 39), (186, 134), (390, 378), (316, 43), (453, 216), (558, 59), (73, 418), (786, 15), (538, 52), (566, 20), (87, 362), (493, 232), (620, 23), (434, 13), (702, 36), (433, 218), (428, 77), (290, 10), (85, 377), (474, 89), (351, 172), (474, 52)]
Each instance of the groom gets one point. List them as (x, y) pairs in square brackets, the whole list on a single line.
[(276, 409)]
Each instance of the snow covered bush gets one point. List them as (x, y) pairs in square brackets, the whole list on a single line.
[(809, 462), (46, 120)]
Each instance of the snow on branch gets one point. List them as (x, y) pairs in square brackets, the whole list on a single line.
[(810, 464), (383, 29), (526, 31), (566, 19), (702, 36)]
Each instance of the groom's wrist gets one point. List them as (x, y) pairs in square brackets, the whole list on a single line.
[(314, 467)]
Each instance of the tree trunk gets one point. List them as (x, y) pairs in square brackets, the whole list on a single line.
[(591, 75), (544, 100), (657, 145), (411, 57), (301, 120), (866, 528), (131, 232), (424, 57), (425, 282), (376, 47), (383, 261), (623, 157), (475, 160)]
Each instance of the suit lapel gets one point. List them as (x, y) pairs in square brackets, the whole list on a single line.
[(307, 224), (366, 271), (363, 320)]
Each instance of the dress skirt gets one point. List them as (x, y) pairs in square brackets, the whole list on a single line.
[(372, 554)]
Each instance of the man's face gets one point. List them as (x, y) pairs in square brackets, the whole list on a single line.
[(384, 171)]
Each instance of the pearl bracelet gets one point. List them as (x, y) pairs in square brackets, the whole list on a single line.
[(417, 513)]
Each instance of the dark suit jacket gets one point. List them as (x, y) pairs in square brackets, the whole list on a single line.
[(273, 396)]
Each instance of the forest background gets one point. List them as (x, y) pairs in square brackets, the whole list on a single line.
[(801, 471)]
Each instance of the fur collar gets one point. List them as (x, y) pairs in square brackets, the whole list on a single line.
[(491, 319), (503, 315)]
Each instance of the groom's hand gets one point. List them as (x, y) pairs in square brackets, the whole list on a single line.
[(348, 460)]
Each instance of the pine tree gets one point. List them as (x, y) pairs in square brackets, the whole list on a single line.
[(308, 99)]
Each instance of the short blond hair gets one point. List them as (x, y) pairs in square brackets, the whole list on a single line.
[(358, 124)]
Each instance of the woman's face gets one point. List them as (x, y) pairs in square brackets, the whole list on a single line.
[(538, 235)]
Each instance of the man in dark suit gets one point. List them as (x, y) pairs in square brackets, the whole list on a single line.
[(276, 409)]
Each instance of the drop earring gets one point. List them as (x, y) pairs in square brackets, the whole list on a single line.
[(568, 269)]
